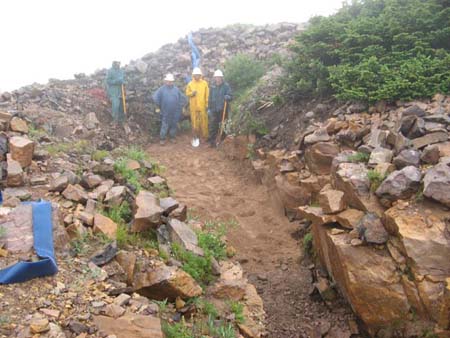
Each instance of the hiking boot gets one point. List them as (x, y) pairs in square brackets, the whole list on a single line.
[(172, 140), (162, 142)]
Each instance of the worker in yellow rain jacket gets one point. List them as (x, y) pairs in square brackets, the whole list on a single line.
[(198, 92)]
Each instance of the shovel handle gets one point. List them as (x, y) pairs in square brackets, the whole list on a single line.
[(219, 136), (124, 102)]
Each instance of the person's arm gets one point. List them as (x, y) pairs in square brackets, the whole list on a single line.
[(189, 91), (228, 94), (157, 97), (206, 94)]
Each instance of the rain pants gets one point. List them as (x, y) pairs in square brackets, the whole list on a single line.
[(114, 81), (198, 105), (170, 101)]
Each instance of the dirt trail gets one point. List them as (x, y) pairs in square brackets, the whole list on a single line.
[(265, 240)]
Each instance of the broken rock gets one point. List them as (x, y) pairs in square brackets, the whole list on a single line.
[(372, 230), (437, 183), (19, 125), (161, 282), (181, 233), (148, 212), (15, 173), (21, 150), (105, 226), (75, 193), (401, 184), (130, 326), (332, 201), (407, 157)]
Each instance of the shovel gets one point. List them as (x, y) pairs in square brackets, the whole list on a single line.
[(219, 135), (124, 103)]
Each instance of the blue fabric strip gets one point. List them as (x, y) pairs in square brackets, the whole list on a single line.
[(43, 245)]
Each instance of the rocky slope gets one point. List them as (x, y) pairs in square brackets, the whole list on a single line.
[(374, 187)]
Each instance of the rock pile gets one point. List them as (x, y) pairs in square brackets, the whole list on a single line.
[(47, 105), (101, 200), (375, 188)]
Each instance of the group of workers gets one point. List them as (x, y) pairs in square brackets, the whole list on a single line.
[(207, 106)]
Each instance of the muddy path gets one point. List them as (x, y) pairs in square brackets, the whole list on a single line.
[(265, 241)]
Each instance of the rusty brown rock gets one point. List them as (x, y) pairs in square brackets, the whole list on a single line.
[(105, 226), (21, 150)]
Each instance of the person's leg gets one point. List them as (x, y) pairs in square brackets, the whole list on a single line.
[(204, 124), (213, 121), (115, 106), (195, 123), (120, 115), (164, 128)]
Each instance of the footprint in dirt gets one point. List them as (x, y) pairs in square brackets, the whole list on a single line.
[(247, 213)]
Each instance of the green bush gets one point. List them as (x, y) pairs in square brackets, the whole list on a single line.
[(242, 71), (375, 179), (359, 157), (197, 266), (374, 50)]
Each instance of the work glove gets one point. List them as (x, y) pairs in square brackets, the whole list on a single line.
[(194, 93), (227, 98), (157, 110)]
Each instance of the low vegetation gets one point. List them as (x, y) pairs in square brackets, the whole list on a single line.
[(373, 50), (375, 179), (359, 157)]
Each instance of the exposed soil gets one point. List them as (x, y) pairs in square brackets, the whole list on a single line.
[(266, 242)]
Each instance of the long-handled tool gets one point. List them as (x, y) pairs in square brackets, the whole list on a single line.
[(222, 124), (124, 104)]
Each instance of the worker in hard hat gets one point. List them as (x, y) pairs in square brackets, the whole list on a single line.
[(170, 101), (198, 93), (115, 78), (219, 94)]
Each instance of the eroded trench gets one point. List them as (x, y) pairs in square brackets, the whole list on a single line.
[(268, 246)]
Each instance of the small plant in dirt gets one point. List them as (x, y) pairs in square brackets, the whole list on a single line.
[(146, 239), (133, 153), (132, 177), (78, 147), (212, 244), (238, 310), (205, 307), (358, 157), (220, 329), (162, 304), (419, 194), (100, 155), (308, 243), (197, 266), (79, 245), (251, 154), (177, 330), (121, 214), (375, 179), (35, 133)]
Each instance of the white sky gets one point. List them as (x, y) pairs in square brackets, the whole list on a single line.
[(42, 39)]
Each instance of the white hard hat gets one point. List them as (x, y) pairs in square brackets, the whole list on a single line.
[(197, 71), (218, 73), (169, 77)]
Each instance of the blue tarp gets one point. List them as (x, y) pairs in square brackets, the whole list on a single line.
[(43, 245)]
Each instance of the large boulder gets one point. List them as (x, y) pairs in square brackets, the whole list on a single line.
[(352, 179), (19, 125), (15, 173), (367, 277), (401, 184), (148, 212), (162, 281), (290, 194), (181, 233), (332, 201), (371, 229), (320, 156), (380, 155), (406, 158), (424, 242), (21, 150), (436, 183), (75, 193), (436, 137), (116, 195)]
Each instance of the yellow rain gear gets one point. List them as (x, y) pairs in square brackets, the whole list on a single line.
[(198, 104)]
